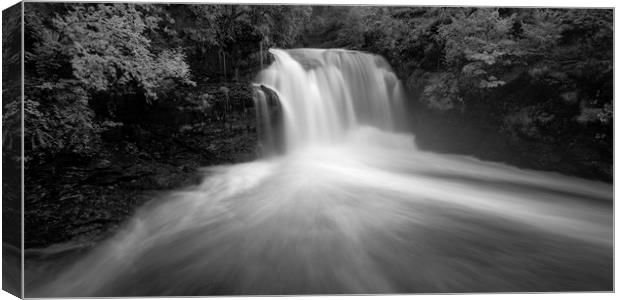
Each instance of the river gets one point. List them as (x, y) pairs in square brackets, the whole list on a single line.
[(350, 205)]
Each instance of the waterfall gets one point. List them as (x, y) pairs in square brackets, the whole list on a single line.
[(349, 207), (325, 94)]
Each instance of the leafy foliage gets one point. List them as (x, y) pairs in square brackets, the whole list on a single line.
[(234, 34), (108, 51), (495, 69), (86, 51), (539, 76), (11, 84)]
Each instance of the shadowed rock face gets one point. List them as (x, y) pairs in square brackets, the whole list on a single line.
[(353, 207), (269, 120)]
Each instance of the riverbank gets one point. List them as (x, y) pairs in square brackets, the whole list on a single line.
[(390, 219), (79, 201)]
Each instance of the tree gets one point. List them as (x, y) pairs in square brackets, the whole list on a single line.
[(90, 53)]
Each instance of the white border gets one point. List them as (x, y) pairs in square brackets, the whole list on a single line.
[(520, 3)]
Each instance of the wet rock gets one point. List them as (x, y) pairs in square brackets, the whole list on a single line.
[(103, 164)]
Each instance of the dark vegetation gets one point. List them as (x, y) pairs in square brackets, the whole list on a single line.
[(11, 119), (124, 101), (11, 151), (530, 87)]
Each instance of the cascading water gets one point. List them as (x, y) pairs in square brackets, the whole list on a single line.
[(325, 94), (352, 207)]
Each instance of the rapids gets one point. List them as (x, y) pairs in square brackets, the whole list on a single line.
[(353, 207)]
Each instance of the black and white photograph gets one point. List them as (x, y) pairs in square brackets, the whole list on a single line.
[(279, 149)]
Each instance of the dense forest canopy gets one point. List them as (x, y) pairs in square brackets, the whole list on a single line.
[(538, 81)]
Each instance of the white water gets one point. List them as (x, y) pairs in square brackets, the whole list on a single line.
[(353, 207), (327, 94)]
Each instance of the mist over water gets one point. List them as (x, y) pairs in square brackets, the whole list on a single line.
[(353, 207)]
